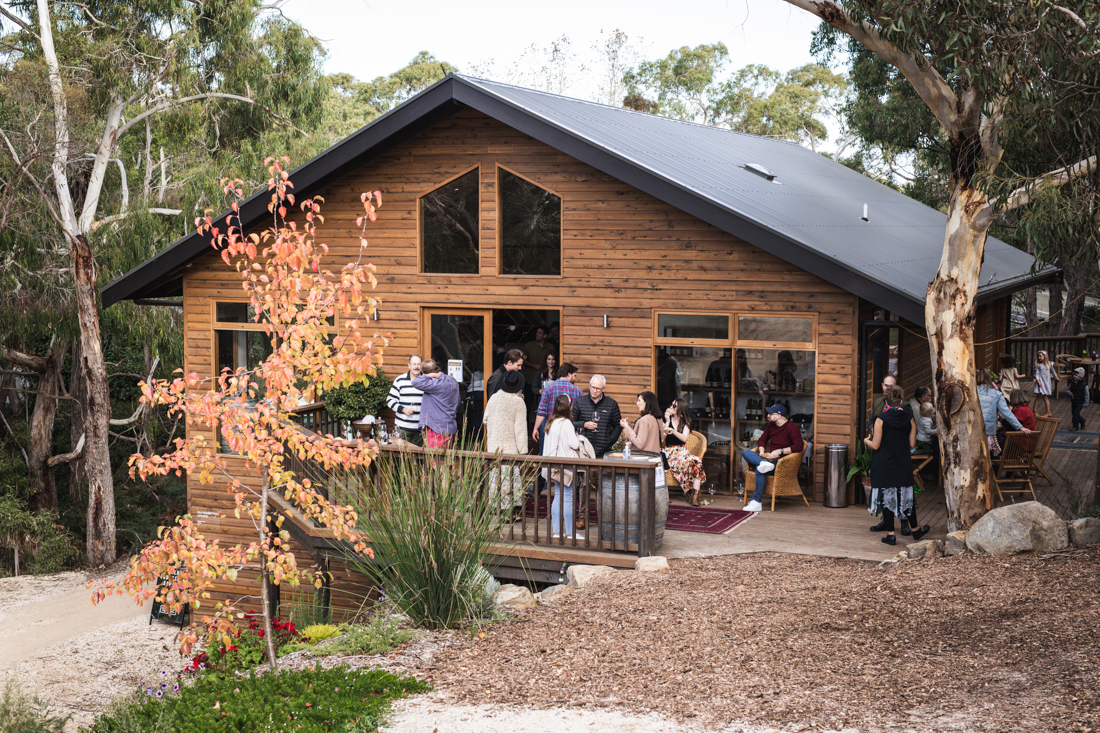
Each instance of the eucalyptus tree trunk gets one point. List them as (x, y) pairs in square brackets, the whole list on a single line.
[(97, 411), (40, 446), (950, 314)]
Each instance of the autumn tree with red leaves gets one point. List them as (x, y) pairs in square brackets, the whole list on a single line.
[(298, 302)]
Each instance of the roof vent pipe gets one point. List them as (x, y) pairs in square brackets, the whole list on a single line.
[(759, 170), (864, 217)]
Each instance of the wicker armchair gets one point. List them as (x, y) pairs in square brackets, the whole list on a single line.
[(783, 481), (696, 446)]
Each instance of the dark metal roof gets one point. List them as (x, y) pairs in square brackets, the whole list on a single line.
[(809, 214)]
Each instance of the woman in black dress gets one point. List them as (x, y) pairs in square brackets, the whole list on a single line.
[(893, 437)]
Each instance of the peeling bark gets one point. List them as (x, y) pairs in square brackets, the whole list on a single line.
[(97, 411), (950, 315)]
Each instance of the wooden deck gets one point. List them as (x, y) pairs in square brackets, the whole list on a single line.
[(817, 530)]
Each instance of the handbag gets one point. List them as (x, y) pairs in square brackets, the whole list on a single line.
[(664, 460)]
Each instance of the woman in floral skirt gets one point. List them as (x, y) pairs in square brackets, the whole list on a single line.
[(892, 439), (686, 467)]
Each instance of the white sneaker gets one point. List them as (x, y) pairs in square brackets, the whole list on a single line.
[(753, 506), (765, 467)]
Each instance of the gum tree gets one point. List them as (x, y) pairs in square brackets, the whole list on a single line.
[(312, 320), (979, 66)]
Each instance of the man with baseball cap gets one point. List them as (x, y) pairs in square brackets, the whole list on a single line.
[(781, 438)]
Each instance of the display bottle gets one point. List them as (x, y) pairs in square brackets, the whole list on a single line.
[(626, 451)]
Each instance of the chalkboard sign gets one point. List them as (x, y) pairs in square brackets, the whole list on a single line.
[(164, 611)]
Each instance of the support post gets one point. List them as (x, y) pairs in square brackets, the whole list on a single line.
[(647, 508)]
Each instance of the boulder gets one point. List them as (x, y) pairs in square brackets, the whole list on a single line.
[(552, 591), (956, 543), (652, 564), (516, 597), (1017, 528), (1084, 531), (578, 576), (925, 548)]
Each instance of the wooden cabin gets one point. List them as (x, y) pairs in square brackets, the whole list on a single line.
[(726, 268)]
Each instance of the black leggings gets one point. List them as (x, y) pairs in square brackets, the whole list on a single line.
[(910, 517)]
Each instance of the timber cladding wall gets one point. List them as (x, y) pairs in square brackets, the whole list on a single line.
[(625, 255)]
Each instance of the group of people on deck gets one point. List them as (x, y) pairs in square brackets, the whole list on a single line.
[(568, 423)]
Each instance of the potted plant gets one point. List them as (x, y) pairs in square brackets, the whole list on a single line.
[(861, 466), (358, 400)]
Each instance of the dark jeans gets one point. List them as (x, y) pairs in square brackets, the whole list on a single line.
[(1078, 421), (753, 459)]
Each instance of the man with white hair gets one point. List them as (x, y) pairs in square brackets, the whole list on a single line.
[(597, 417), (404, 399)]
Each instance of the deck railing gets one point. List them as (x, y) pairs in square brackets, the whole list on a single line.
[(617, 498), (1025, 348)]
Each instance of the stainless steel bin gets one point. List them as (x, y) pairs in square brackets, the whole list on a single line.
[(836, 467)]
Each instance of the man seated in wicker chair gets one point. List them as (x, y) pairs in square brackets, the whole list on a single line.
[(781, 438)]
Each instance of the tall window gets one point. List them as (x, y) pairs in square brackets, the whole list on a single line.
[(449, 227), (530, 227)]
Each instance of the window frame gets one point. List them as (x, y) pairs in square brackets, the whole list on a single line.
[(797, 345), (499, 251), (659, 340), (480, 222)]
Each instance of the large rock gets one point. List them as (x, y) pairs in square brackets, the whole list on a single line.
[(925, 548), (1084, 531), (516, 597), (578, 576), (553, 591), (956, 543), (652, 564), (1017, 528)]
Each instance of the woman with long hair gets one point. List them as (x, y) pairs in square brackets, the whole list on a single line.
[(892, 438), (686, 467), (561, 442), (546, 373), (992, 402), (645, 434)]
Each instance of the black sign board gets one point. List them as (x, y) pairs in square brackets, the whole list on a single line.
[(164, 611)]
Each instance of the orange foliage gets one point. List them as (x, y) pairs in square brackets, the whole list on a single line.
[(297, 301)]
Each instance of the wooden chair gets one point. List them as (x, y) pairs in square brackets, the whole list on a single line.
[(1063, 367), (783, 481), (1014, 469), (696, 446), (1046, 427), (920, 460)]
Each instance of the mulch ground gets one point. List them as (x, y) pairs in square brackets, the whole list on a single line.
[(961, 643)]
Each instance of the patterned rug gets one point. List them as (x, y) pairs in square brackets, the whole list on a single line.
[(1076, 440), (681, 518)]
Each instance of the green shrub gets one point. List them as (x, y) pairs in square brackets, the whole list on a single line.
[(432, 523), (308, 701), (20, 713), (248, 648), (378, 636), (44, 545), (319, 632), (352, 403)]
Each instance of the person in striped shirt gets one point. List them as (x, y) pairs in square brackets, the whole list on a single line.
[(405, 400)]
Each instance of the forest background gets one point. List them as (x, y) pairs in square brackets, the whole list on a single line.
[(164, 98)]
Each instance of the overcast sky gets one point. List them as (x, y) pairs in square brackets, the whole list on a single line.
[(370, 39)]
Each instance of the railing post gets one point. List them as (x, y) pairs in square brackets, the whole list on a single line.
[(647, 505)]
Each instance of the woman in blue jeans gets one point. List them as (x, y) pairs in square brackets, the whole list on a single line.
[(561, 442)]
